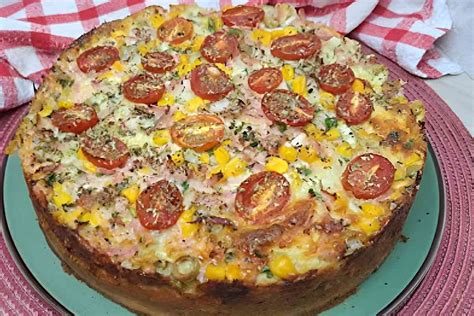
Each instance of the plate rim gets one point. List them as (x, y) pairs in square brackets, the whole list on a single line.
[(390, 309)]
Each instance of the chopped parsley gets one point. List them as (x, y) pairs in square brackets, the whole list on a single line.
[(267, 272), (330, 122), (50, 179), (408, 144), (304, 171), (185, 186), (65, 82), (211, 25), (315, 194), (234, 32), (281, 127)]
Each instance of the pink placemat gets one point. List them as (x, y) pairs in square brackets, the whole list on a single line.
[(447, 289)]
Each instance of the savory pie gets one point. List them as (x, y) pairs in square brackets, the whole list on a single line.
[(243, 161)]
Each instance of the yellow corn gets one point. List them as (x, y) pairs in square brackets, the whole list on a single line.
[(261, 36), (308, 154), (166, 99), (96, 219), (288, 72), (161, 137), (358, 86), (118, 66), (299, 85), (401, 99), (143, 49), (372, 210), (89, 166), (367, 225), (288, 153), (225, 69), (68, 218), (65, 104), (412, 159), (289, 30), (131, 193), (327, 100), (276, 164), (282, 266), (195, 104), (156, 20), (341, 203), (218, 23), (295, 179), (332, 134), (234, 167), (197, 43), (204, 158), (178, 116), (117, 33), (60, 197), (215, 273), (233, 272), (46, 110), (222, 155), (345, 150), (178, 158), (187, 228)]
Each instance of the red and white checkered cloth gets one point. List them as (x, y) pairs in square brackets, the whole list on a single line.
[(33, 32)]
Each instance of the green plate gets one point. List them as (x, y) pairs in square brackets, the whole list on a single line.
[(383, 291)]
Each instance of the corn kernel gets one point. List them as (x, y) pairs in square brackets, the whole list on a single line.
[(118, 66), (216, 273), (332, 134), (282, 266), (288, 72), (368, 226), (195, 104), (262, 36), (89, 166), (131, 193), (222, 155), (401, 99), (187, 228), (61, 197), (345, 150), (178, 116), (341, 203), (399, 174), (308, 154), (143, 49), (299, 85), (233, 272), (156, 20), (117, 33), (197, 43), (166, 100), (234, 167), (96, 219), (276, 164), (105, 75), (225, 69), (161, 137), (70, 217), (372, 210), (295, 179), (65, 104), (217, 22), (178, 158), (46, 110), (288, 153), (289, 30), (145, 170), (412, 159), (327, 100), (85, 217), (358, 86), (204, 158)]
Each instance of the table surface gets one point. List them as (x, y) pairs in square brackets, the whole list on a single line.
[(458, 92)]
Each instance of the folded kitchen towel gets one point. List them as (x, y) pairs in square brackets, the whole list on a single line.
[(33, 32)]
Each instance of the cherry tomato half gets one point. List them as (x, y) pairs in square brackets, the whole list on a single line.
[(76, 119), (219, 47), (200, 132), (265, 80), (210, 83), (143, 89), (262, 196), (106, 151), (368, 176), (286, 107), (354, 108), (335, 78), (159, 206), (175, 31), (97, 58), (243, 15), (295, 47), (158, 63)]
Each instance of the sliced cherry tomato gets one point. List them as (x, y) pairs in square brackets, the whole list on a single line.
[(265, 80), (295, 47), (159, 206), (97, 58), (219, 47), (200, 132), (76, 119), (243, 15), (286, 107), (158, 63), (368, 176), (210, 83), (354, 108), (106, 151), (335, 78), (262, 196), (175, 31), (143, 89)]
